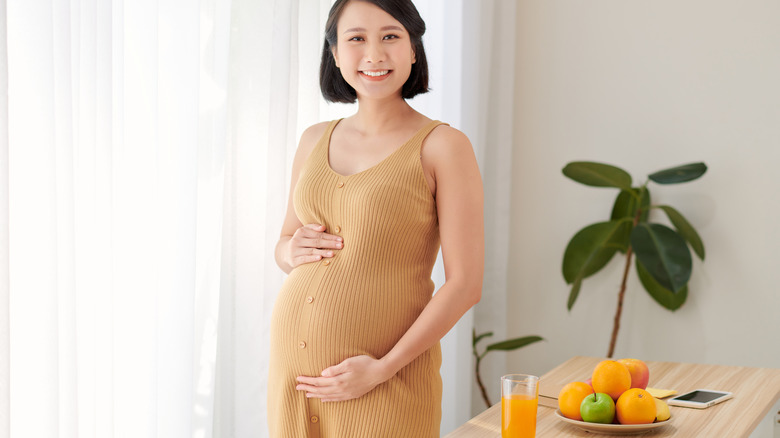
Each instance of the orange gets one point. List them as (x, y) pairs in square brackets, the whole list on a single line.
[(611, 377), (570, 399), (635, 406)]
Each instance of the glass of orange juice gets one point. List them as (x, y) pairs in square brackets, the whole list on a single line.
[(519, 400)]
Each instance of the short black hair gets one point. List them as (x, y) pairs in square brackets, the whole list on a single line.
[(332, 84)]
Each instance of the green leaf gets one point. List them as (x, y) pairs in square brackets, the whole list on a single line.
[(684, 173), (660, 294), (626, 204), (598, 174), (513, 344), (574, 293), (664, 253), (625, 207), (480, 337), (685, 229), (590, 249)]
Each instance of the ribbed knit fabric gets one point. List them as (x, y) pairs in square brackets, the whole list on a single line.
[(361, 301)]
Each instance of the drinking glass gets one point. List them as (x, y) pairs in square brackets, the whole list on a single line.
[(519, 400)]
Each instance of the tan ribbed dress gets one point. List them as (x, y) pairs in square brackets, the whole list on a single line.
[(361, 301)]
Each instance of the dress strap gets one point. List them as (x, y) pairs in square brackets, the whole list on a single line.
[(329, 131), (421, 135), (321, 147)]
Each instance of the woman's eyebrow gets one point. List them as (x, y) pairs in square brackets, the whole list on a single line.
[(385, 28)]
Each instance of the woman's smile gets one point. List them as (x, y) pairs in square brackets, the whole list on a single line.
[(375, 75)]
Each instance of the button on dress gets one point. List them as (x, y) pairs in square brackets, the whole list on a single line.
[(361, 301)]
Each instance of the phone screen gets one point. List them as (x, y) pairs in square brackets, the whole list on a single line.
[(700, 396)]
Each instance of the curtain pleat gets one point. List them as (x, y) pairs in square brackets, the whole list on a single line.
[(5, 334), (111, 211), (210, 263), (137, 240), (32, 181), (489, 106)]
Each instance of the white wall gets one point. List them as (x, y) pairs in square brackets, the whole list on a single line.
[(647, 85)]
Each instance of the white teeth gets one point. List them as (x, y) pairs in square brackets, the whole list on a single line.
[(376, 73)]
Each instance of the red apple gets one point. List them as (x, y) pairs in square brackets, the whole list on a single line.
[(589, 381), (640, 374)]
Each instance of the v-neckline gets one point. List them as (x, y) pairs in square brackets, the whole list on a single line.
[(382, 161)]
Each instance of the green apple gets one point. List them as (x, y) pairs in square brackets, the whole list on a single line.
[(598, 408)]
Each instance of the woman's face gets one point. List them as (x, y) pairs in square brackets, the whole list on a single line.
[(373, 52)]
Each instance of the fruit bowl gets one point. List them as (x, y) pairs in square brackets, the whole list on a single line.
[(612, 429)]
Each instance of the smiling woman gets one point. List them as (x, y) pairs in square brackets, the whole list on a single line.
[(356, 328)]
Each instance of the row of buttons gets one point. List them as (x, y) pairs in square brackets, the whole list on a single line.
[(338, 230), (340, 185), (302, 344), (310, 300)]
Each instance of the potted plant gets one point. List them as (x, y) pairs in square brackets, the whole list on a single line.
[(508, 345), (663, 258)]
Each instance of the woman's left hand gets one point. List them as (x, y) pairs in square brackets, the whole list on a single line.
[(350, 379)]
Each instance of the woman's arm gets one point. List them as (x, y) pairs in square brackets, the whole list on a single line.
[(449, 157), (298, 243)]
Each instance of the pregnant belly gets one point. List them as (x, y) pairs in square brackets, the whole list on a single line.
[(319, 320)]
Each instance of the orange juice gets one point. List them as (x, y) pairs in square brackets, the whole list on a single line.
[(518, 416)]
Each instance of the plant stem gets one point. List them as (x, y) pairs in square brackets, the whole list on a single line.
[(481, 385), (622, 293)]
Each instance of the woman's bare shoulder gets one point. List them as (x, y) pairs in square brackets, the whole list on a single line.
[(309, 139), (445, 140), (312, 135)]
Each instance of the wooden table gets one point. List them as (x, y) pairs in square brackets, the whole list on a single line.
[(756, 390)]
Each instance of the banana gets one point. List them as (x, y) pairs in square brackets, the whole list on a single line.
[(661, 410)]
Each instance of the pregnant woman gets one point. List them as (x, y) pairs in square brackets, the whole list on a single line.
[(356, 327)]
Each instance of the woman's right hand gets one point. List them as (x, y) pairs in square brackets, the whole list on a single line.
[(310, 243)]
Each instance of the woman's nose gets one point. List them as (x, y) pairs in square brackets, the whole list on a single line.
[(374, 53)]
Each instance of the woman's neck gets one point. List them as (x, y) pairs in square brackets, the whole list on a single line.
[(374, 116)]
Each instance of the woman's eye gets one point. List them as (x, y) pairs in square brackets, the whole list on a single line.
[(356, 38), (390, 37)]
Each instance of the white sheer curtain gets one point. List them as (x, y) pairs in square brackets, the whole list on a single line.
[(5, 333), (111, 213), (145, 149)]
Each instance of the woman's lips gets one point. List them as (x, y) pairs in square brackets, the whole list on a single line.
[(375, 75)]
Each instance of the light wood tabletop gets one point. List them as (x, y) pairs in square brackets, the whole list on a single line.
[(756, 390)]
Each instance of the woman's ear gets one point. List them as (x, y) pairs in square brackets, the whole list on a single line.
[(335, 54)]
